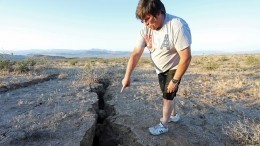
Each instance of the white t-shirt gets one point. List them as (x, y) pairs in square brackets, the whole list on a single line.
[(163, 44)]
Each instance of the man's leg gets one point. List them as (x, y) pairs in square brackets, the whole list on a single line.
[(174, 107), (168, 107), (168, 104), (162, 127), (168, 98)]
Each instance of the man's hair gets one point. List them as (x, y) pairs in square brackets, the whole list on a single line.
[(149, 7)]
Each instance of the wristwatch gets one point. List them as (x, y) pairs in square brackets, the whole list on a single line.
[(175, 81)]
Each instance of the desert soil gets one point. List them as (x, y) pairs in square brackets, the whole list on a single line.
[(63, 107)]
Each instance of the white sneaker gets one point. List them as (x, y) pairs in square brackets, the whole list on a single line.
[(158, 129), (172, 118)]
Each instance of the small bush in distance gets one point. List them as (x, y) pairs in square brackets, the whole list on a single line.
[(5, 64), (211, 65), (251, 60), (25, 65), (223, 59), (73, 61)]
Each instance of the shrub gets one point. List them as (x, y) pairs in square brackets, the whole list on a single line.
[(145, 61), (22, 67), (251, 60), (96, 74), (198, 62), (93, 75), (88, 66), (212, 65), (31, 62), (223, 59), (25, 65), (246, 132), (73, 61), (5, 64)]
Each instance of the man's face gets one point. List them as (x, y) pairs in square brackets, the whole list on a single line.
[(152, 22)]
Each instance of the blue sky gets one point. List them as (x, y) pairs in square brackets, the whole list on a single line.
[(223, 25)]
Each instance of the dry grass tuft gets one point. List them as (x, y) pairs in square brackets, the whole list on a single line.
[(246, 132), (253, 61), (97, 69)]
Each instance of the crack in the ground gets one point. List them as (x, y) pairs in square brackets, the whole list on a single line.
[(107, 132), (103, 112), (27, 84)]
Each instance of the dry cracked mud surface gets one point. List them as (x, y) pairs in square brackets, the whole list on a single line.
[(47, 111), (61, 108)]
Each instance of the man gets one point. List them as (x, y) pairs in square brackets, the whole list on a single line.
[(168, 39)]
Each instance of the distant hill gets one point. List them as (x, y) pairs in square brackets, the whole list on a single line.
[(20, 57), (102, 53), (45, 56), (11, 57), (75, 53)]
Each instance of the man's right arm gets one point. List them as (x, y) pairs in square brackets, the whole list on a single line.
[(133, 60)]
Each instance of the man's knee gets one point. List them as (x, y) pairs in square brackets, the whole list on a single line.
[(167, 101)]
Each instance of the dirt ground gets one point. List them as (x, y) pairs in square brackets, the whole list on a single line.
[(47, 109), (218, 101)]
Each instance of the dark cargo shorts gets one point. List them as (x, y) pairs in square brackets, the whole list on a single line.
[(164, 80)]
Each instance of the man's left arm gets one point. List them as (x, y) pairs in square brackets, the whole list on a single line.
[(185, 58)]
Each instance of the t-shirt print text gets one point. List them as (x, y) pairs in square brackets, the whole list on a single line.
[(166, 42)]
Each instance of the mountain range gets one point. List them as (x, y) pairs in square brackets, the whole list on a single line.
[(101, 53), (74, 53)]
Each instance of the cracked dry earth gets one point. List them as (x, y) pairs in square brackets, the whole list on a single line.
[(68, 111), (202, 118), (48, 111)]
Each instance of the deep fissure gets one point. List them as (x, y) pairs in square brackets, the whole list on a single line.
[(103, 112)]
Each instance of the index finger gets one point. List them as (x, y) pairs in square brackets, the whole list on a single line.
[(122, 89)]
